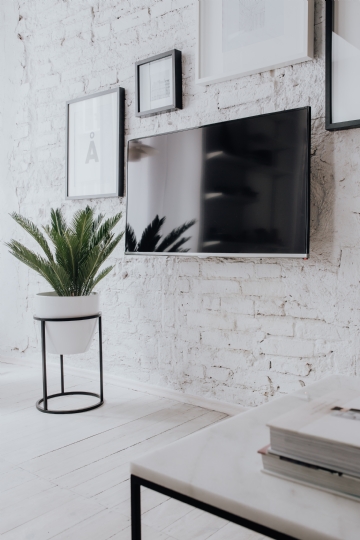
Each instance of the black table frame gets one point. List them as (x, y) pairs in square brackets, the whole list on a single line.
[(44, 399), (137, 482)]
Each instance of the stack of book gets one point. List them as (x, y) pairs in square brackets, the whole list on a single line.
[(318, 443)]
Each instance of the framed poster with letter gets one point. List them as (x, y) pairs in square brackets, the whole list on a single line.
[(241, 37), (95, 145), (158, 84), (342, 64)]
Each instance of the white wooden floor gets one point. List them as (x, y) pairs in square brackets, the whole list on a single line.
[(67, 477)]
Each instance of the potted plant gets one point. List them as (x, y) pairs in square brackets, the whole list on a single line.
[(72, 269)]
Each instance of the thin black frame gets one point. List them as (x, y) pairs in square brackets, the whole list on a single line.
[(204, 255), (135, 487), (120, 144), (329, 26), (177, 84)]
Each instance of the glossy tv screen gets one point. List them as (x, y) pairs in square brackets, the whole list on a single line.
[(236, 188)]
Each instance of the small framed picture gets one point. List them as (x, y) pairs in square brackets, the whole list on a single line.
[(158, 83), (95, 145), (342, 61), (242, 37)]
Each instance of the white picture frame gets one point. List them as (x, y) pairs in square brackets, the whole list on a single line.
[(236, 38), (95, 145)]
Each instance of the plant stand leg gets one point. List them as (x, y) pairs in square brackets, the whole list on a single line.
[(101, 361), (43, 346), (62, 373)]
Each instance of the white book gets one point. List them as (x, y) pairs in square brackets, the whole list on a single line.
[(318, 477), (324, 432)]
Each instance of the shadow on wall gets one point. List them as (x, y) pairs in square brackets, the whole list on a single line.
[(150, 238), (322, 194)]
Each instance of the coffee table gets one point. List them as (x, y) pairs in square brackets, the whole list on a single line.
[(219, 470)]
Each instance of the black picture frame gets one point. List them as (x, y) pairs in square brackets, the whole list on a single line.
[(176, 102), (329, 27), (119, 146)]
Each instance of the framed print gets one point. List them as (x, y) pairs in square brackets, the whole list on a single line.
[(158, 82), (95, 145), (342, 64), (242, 37)]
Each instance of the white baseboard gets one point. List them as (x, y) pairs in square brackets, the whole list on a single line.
[(230, 409)]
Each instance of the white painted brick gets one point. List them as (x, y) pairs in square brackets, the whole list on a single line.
[(227, 340), (160, 8), (44, 140), (217, 373), (48, 82), (21, 132), (277, 326), (183, 285), (188, 268), (93, 84), (191, 335), (267, 270), (129, 21), (264, 288), (309, 329), (269, 307), (244, 322), (109, 77), (208, 286), (296, 348), (294, 309), (245, 95), (195, 372), (210, 302), (44, 127), (76, 72), (227, 270), (238, 304), (76, 88), (101, 32), (209, 320), (294, 366)]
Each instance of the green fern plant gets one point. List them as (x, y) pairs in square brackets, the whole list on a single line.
[(150, 238), (72, 268)]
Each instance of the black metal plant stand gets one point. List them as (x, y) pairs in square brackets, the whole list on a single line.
[(45, 397)]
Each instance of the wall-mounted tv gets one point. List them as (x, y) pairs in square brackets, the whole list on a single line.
[(234, 189)]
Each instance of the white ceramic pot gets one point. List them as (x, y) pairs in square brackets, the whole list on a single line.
[(70, 337)]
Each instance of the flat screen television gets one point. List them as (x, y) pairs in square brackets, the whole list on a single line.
[(234, 189)]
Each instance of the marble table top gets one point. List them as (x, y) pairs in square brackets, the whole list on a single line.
[(220, 466)]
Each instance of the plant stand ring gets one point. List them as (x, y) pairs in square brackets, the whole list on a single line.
[(44, 400)]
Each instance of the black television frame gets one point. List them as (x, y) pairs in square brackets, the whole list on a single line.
[(233, 255)]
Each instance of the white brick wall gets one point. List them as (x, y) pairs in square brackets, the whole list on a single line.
[(239, 330)]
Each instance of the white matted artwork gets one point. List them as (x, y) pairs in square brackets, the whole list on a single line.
[(242, 37), (95, 141), (158, 84), (342, 64)]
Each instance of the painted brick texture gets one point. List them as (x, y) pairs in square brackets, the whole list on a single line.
[(238, 330)]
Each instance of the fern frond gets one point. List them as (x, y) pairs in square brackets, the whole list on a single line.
[(29, 227), (105, 229), (58, 222), (92, 284)]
